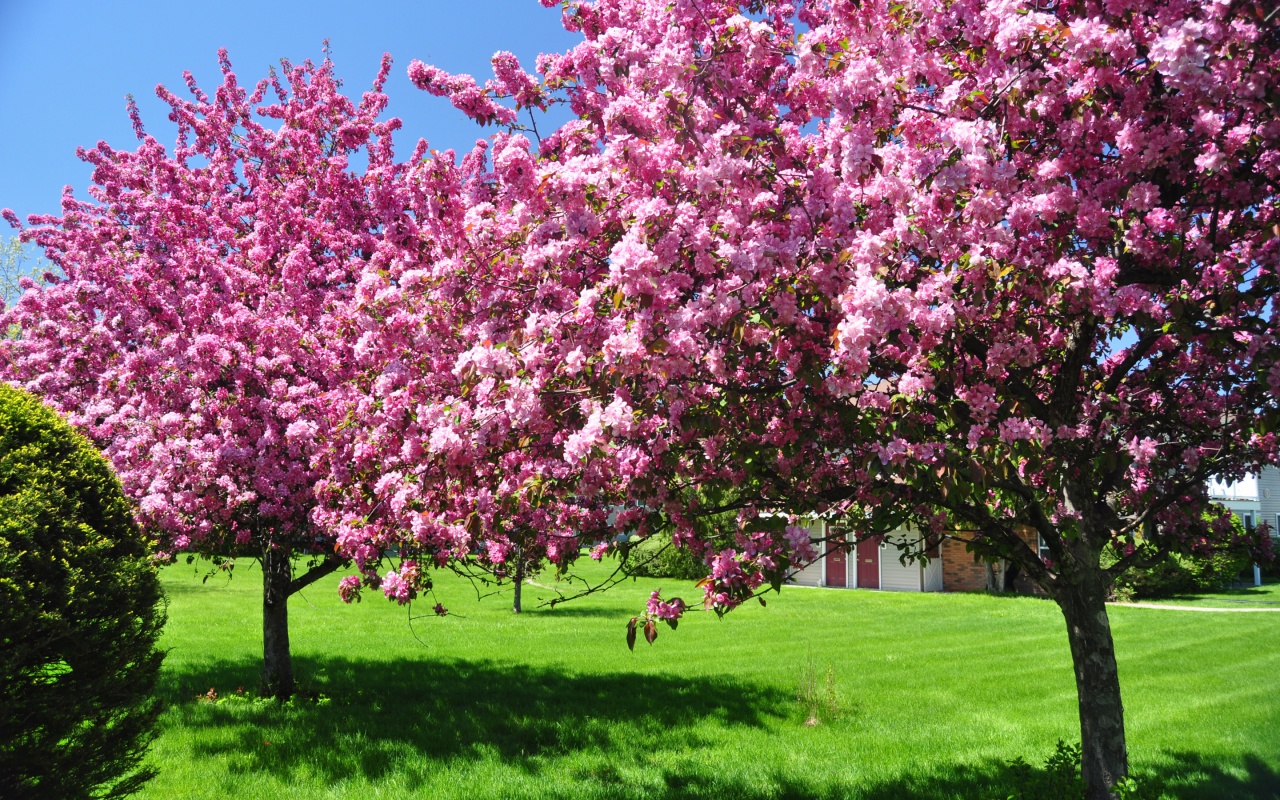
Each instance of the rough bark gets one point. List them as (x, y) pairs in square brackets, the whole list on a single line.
[(996, 576), (1104, 757), (277, 664)]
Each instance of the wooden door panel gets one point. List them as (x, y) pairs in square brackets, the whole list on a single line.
[(837, 561), (868, 556)]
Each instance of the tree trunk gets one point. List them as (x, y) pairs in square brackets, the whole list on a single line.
[(519, 579), (996, 571), (277, 664), (1104, 757)]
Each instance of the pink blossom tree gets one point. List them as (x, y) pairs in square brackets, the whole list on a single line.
[(448, 458), (459, 422), (196, 330), (996, 271)]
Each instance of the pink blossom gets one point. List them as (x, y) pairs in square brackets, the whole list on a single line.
[(725, 567), (396, 588), (1142, 450), (349, 588), (1177, 52), (666, 610)]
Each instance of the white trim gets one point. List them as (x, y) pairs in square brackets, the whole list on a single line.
[(919, 567), (855, 565), (825, 545), (880, 565)]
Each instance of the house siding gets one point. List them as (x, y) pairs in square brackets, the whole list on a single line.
[(933, 575), (1269, 498), (811, 574), (894, 575)]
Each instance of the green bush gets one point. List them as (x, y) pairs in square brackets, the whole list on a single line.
[(1182, 575), (80, 613), (1186, 574), (1272, 569), (657, 557)]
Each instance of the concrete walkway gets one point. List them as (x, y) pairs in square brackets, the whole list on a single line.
[(1195, 608)]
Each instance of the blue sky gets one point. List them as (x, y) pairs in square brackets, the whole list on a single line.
[(65, 68)]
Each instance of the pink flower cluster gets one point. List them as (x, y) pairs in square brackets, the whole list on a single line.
[(657, 608), (349, 589)]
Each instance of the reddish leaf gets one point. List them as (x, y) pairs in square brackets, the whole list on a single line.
[(650, 631), (631, 634)]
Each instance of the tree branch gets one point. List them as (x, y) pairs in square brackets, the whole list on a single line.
[(331, 564)]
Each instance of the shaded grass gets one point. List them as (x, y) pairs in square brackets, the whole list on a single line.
[(935, 694), (1265, 596)]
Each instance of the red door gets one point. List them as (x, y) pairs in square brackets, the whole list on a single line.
[(837, 561), (869, 563)]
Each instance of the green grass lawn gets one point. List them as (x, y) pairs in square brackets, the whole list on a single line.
[(935, 694), (1265, 596)]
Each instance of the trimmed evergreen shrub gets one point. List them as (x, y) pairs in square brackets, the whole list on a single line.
[(80, 613)]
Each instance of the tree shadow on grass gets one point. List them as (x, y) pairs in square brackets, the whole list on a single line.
[(372, 714), (1193, 777), (408, 720), (1260, 596), (567, 610), (1183, 776)]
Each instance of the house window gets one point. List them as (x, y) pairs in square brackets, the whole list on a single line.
[(1042, 550), (1247, 519)]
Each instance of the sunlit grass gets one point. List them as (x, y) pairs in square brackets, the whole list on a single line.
[(934, 693)]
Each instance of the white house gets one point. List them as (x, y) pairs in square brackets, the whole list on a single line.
[(875, 563), (1254, 500), (1241, 499), (871, 564)]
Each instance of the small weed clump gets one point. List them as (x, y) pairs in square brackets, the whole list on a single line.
[(241, 697), (817, 693), (1060, 779)]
